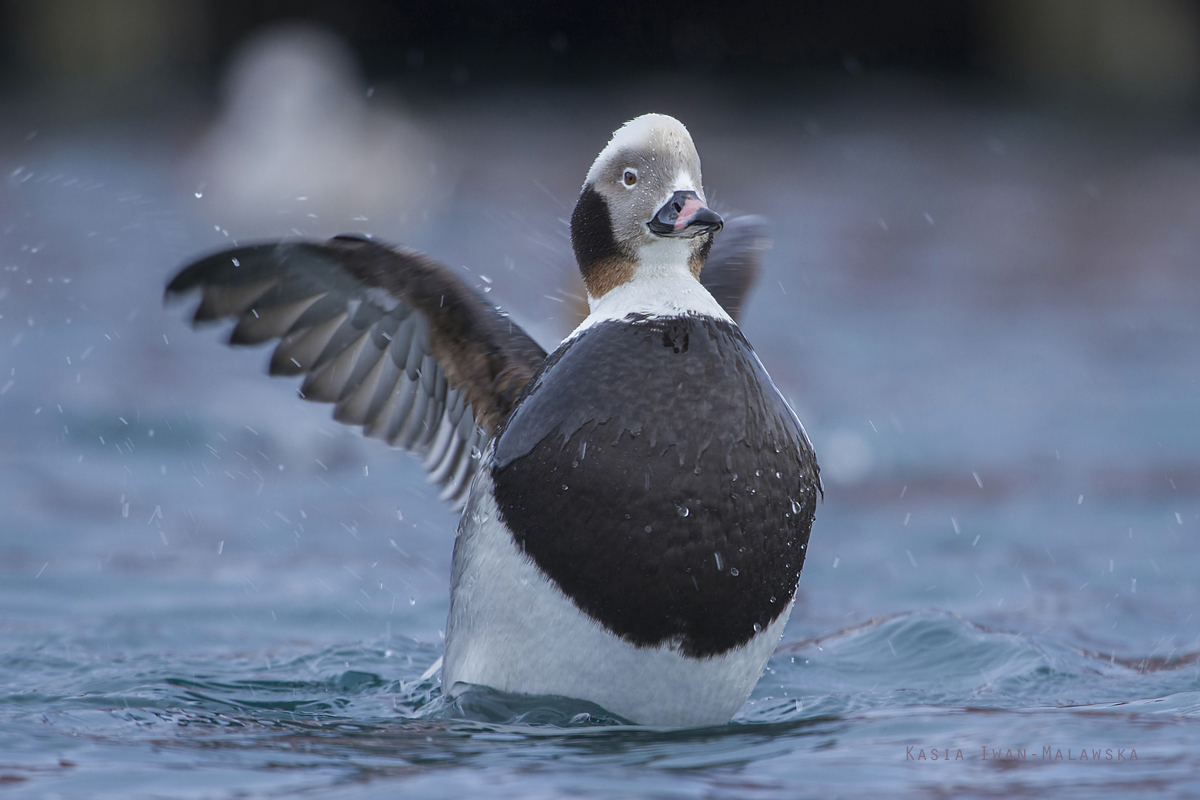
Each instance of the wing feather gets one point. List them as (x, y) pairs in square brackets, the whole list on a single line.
[(400, 344), (734, 262), (302, 355)]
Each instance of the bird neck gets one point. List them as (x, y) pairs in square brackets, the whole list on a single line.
[(666, 288)]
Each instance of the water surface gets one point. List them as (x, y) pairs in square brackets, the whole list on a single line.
[(985, 318)]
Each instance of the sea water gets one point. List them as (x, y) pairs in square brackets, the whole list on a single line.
[(209, 589)]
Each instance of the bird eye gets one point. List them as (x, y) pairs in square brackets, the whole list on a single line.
[(630, 177)]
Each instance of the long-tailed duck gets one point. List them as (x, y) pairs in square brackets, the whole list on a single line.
[(637, 503)]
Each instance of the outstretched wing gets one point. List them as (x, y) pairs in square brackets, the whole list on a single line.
[(402, 346), (734, 262)]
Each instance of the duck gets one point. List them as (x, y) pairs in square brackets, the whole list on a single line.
[(635, 505)]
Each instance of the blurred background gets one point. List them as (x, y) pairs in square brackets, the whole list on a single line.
[(981, 299), (937, 160)]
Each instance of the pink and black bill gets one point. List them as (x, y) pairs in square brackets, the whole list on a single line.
[(685, 215)]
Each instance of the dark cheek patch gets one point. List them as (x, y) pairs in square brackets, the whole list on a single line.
[(592, 236)]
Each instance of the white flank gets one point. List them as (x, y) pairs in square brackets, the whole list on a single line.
[(514, 630)]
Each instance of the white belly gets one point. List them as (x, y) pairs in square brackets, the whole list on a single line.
[(512, 629)]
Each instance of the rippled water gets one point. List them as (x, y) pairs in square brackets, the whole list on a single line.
[(208, 589)]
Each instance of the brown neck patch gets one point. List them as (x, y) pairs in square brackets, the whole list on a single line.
[(696, 259), (607, 274)]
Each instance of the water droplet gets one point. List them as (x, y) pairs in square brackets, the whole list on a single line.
[(564, 487), (735, 476), (758, 473), (757, 627), (772, 598), (796, 507), (649, 528), (683, 511), (412, 601), (733, 571), (720, 564)]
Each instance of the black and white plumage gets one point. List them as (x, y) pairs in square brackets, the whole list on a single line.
[(672, 508), (638, 503)]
